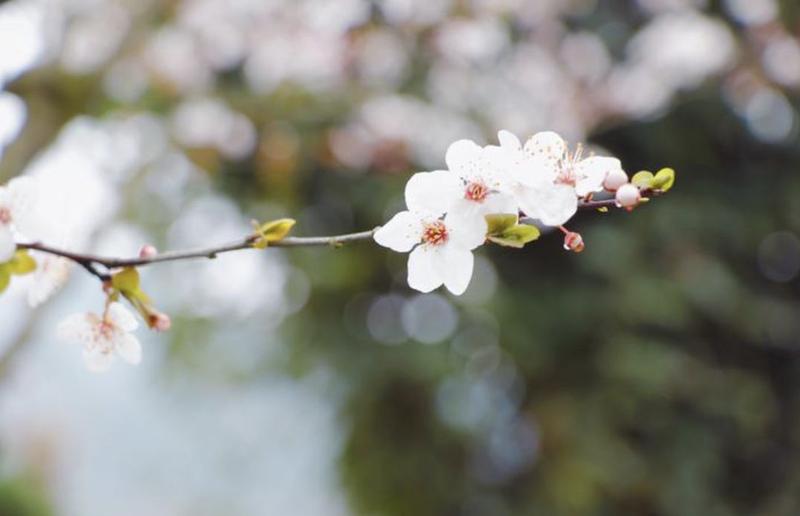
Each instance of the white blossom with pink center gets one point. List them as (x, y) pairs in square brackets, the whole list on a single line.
[(546, 179), (481, 180), (104, 336), (17, 204), (440, 242)]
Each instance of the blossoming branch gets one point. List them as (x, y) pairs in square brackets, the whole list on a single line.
[(496, 194)]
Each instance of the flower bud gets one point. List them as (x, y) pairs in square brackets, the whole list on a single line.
[(147, 251), (628, 196), (160, 321), (573, 242), (615, 179)]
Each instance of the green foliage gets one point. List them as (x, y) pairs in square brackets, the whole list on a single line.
[(504, 230), (272, 231), (21, 264), (663, 180)]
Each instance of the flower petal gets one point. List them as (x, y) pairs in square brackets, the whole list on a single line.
[(499, 203), (467, 230), (548, 146), (592, 173), (22, 196), (128, 348), (78, 328), (401, 233), (7, 245), (422, 275), (52, 273), (122, 318), (553, 206), (455, 266), (464, 159), (432, 192), (508, 140), (97, 361)]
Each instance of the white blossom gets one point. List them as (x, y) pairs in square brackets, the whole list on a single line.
[(440, 244), (17, 203), (104, 336), (52, 272), (532, 182), (548, 180), (482, 181)]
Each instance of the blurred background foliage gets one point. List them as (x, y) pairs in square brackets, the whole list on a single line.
[(657, 373)]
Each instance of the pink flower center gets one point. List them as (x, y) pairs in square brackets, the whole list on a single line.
[(476, 191), (5, 216), (435, 233), (566, 167), (104, 331)]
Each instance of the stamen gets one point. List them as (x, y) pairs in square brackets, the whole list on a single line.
[(476, 191), (435, 233)]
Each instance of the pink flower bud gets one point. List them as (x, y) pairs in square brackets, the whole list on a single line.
[(160, 322), (573, 242), (615, 179), (148, 251), (628, 196)]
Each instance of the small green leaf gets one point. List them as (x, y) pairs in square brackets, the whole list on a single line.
[(5, 278), (663, 180), (126, 281), (516, 236), (273, 231), (21, 264), (642, 179), (500, 222)]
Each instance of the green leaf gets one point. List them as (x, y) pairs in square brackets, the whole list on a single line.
[(500, 222), (5, 278), (663, 180), (273, 231), (642, 179), (21, 264), (126, 281), (516, 236)]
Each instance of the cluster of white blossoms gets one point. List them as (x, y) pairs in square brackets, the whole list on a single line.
[(482, 196), (446, 216), (102, 336)]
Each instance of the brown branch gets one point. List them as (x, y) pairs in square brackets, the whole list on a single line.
[(91, 261)]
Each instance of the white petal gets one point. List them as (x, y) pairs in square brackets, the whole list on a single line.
[(465, 230), (455, 267), (500, 203), (422, 275), (508, 140), (592, 173), (463, 158), (122, 318), (78, 328), (401, 233), (547, 145), (52, 273), (128, 348), (22, 196), (553, 206), (97, 361), (7, 245), (432, 192)]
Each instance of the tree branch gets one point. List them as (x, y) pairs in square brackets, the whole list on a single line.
[(90, 262)]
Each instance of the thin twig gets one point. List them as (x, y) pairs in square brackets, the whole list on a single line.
[(91, 261)]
